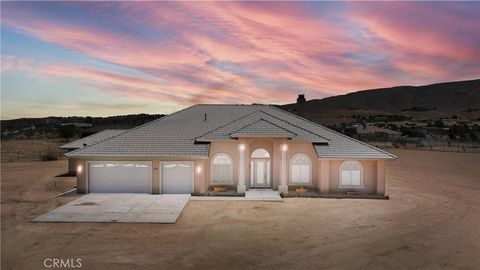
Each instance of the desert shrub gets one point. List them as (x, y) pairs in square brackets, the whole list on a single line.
[(49, 156)]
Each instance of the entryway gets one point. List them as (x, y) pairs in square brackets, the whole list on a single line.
[(260, 168)]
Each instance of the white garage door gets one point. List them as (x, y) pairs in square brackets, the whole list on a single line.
[(177, 177), (119, 176)]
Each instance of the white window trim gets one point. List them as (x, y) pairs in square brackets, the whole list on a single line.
[(361, 186), (212, 181), (290, 182)]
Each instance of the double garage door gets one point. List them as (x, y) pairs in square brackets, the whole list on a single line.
[(136, 177)]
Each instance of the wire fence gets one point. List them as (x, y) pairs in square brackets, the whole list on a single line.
[(431, 145), (22, 156), (31, 150)]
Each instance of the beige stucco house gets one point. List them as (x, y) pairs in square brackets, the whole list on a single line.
[(238, 146)]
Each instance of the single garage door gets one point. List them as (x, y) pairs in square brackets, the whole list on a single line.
[(177, 177), (119, 176)]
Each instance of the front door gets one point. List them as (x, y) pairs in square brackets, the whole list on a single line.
[(260, 176)]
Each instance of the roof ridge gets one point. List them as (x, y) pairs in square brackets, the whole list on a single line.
[(228, 123), (295, 125), (262, 111), (338, 133), (262, 119), (220, 104), (130, 130)]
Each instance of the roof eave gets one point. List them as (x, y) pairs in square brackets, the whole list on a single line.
[(68, 147), (137, 156), (261, 136), (355, 158)]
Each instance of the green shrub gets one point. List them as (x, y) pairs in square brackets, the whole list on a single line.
[(48, 157)]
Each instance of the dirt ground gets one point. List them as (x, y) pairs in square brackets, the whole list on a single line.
[(432, 221)]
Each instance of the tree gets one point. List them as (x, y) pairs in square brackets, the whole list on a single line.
[(462, 132), (67, 131), (411, 132), (350, 131), (438, 123)]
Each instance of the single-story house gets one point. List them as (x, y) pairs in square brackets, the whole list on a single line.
[(238, 146), (435, 132), (79, 125), (370, 132), (86, 141)]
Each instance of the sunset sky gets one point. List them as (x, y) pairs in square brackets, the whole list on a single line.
[(98, 59)]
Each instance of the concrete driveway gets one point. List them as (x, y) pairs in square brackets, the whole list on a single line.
[(115, 207)]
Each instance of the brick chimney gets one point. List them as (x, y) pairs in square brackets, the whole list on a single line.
[(301, 102)]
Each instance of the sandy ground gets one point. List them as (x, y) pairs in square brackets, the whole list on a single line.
[(431, 222)]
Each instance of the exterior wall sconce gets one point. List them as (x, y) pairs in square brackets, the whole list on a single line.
[(241, 147), (199, 169), (79, 168), (284, 147)]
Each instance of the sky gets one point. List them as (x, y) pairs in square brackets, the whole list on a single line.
[(113, 58)]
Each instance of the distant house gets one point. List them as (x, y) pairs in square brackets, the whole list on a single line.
[(79, 125), (86, 141), (370, 132), (434, 131)]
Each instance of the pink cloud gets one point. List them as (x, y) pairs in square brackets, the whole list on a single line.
[(257, 52), (425, 28), (8, 62), (427, 42)]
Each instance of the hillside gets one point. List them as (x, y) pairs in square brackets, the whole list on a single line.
[(460, 98), (53, 126), (441, 100)]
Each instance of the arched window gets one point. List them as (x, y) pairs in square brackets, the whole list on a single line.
[(351, 174), (222, 169), (300, 169)]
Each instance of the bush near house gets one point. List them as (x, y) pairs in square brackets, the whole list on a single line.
[(50, 156)]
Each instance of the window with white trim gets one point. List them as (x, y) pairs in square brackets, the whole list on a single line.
[(300, 169), (222, 169), (351, 174)]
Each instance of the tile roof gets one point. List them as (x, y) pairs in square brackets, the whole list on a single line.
[(187, 133), (225, 132), (92, 139), (263, 128)]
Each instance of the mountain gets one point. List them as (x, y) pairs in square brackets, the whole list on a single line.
[(461, 98)]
